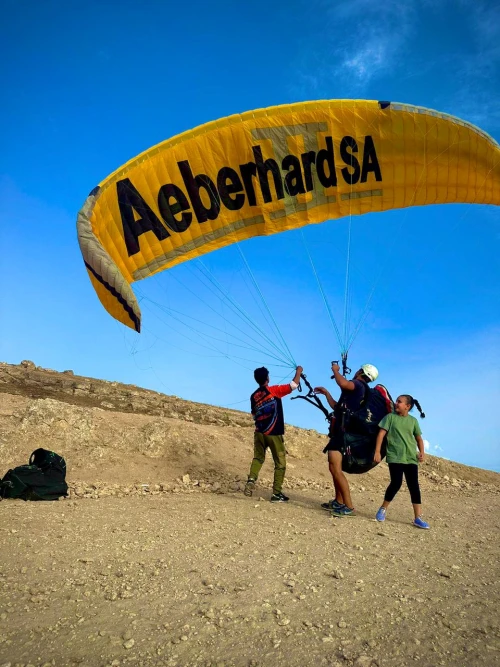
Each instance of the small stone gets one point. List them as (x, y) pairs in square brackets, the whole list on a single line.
[(363, 661), (446, 575), (284, 621), (450, 625), (128, 644), (184, 638), (127, 635), (186, 479), (337, 574), (342, 624)]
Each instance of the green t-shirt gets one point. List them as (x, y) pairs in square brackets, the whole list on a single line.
[(401, 434)]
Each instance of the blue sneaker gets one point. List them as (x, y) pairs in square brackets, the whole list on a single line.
[(331, 505), (420, 523), (343, 511), (380, 515)]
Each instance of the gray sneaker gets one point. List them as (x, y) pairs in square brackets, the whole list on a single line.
[(249, 487)]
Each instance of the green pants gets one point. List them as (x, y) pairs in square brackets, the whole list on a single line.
[(276, 444)]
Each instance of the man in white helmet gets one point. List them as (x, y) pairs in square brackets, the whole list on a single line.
[(352, 394)]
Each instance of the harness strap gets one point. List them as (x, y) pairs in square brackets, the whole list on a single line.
[(313, 398)]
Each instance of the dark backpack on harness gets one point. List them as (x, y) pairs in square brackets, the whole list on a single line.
[(358, 429), (375, 404), (44, 478)]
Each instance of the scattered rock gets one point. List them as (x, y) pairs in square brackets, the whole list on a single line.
[(275, 574), (363, 661)]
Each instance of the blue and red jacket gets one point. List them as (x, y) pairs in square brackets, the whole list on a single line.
[(267, 409)]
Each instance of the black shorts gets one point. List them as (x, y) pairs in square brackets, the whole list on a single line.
[(335, 444)]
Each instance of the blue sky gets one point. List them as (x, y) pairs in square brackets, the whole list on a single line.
[(87, 86)]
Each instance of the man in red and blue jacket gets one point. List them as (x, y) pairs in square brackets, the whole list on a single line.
[(267, 411)]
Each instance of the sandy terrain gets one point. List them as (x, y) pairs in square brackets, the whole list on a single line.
[(157, 558)]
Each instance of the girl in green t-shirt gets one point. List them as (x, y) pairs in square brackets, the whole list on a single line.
[(403, 437)]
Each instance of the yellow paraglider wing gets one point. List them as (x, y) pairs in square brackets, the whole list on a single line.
[(271, 170)]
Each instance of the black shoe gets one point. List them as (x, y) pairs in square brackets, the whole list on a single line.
[(279, 498)]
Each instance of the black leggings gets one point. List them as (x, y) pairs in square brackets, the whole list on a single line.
[(410, 471)]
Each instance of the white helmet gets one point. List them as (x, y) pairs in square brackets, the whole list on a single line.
[(370, 371)]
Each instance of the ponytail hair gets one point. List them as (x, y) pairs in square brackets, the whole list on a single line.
[(412, 402)]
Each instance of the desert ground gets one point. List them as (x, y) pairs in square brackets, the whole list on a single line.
[(157, 558)]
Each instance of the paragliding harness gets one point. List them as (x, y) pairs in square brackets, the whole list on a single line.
[(313, 398), (357, 430), (44, 478)]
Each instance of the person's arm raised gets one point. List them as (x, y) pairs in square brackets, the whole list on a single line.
[(345, 385), (298, 372)]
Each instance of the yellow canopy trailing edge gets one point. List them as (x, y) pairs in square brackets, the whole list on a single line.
[(270, 170)]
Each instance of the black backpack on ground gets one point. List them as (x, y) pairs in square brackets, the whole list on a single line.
[(44, 478)]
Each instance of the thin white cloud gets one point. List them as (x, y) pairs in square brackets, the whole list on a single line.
[(432, 449), (477, 74), (379, 31), (485, 16), (364, 40), (366, 62)]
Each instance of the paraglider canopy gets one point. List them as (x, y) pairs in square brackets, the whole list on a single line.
[(266, 171)]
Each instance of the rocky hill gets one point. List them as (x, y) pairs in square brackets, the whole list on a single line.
[(125, 439)]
